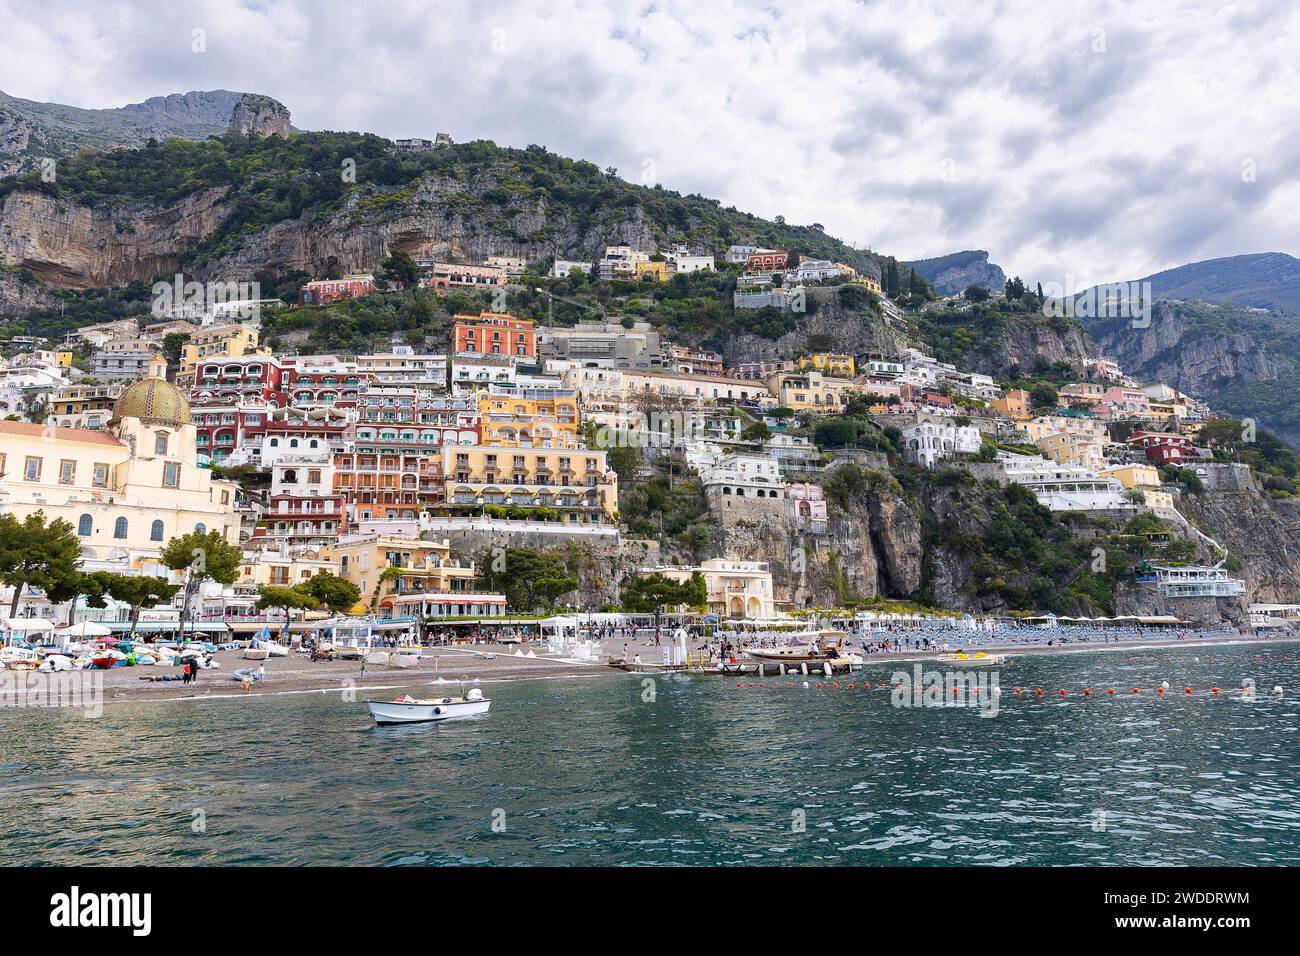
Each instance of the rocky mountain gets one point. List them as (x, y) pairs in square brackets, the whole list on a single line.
[(1263, 280), (233, 207), (952, 273), (1243, 361), (30, 131)]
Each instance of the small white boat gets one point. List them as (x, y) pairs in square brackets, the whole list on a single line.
[(807, 646), (252, 653), (408, 710), (403, 659), (271, 648)]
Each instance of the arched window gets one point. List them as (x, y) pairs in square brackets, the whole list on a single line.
[(201, 528), (156, 531), (119, 528), (85, 526)]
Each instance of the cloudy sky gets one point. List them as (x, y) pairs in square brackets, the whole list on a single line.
[(1103, 141)]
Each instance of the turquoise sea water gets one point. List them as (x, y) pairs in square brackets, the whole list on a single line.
[(587, 771)]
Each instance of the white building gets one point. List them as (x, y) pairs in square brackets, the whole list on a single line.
[(562, 268), (928, 443), (1197, 581), (744, 476)]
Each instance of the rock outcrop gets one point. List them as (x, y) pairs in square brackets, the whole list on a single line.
[(256, 115), (953, 273)]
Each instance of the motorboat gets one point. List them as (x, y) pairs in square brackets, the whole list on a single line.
[(978, 659), (804, 647), (408, 710)]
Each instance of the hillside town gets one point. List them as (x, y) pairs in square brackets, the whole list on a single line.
[(401, 472)]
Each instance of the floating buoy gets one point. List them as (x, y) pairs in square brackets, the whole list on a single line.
[(1062, 691), (1111, 691), (1214, 690), (997, 691), (1164, 685), (1087, 692), (805, 683), (1277, 689), (1187, 690), (1160, 690), (1135, 690), (1017, 691), (1039, 692)]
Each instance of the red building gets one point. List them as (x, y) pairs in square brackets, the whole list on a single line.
[(494, 333), (767, 262), (1167, 448), (234, 380), (325, 291)]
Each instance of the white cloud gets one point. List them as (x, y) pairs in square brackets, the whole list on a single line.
[(1102, 141)]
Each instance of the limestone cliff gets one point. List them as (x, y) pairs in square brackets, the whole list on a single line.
[(64, 244)]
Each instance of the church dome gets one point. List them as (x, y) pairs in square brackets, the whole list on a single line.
[(155, 402)]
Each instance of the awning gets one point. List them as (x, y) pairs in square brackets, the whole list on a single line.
[(162, 627)]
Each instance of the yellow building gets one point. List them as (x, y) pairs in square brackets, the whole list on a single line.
[(1134, 475), (271, 567), (524, 418), (425, 581), (84, 406), (808, 391), (575, 482), (657, 269), (869, 282), (737, 589), (219, 342), (831, 363), (63, 358), (1015, 404), (127, 489)]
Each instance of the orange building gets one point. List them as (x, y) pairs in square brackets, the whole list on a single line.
[(494, 333)]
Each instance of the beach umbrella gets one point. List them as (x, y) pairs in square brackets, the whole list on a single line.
[(87, 629)]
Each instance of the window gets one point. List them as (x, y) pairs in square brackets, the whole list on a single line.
[(67, 472), (119, 528), (156, 531), (32, 469), (85, 526), (201, 528), (160, 443), (171, 474)]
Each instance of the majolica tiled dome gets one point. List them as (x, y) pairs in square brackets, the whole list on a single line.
[(153, 401)]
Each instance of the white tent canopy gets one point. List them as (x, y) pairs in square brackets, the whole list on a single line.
[(27, 624)]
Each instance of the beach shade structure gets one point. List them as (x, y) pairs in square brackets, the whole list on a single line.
[(24, 625)]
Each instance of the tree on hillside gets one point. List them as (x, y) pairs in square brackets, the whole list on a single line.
[(649, 593), (1043, 395), (529, 579), (140, 591), (290, 599), (203, 556), (336, 593), (37, 555), (893, 282), (399, 267), (93, 586)]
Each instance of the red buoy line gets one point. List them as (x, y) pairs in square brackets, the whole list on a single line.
[(1086, 693)]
